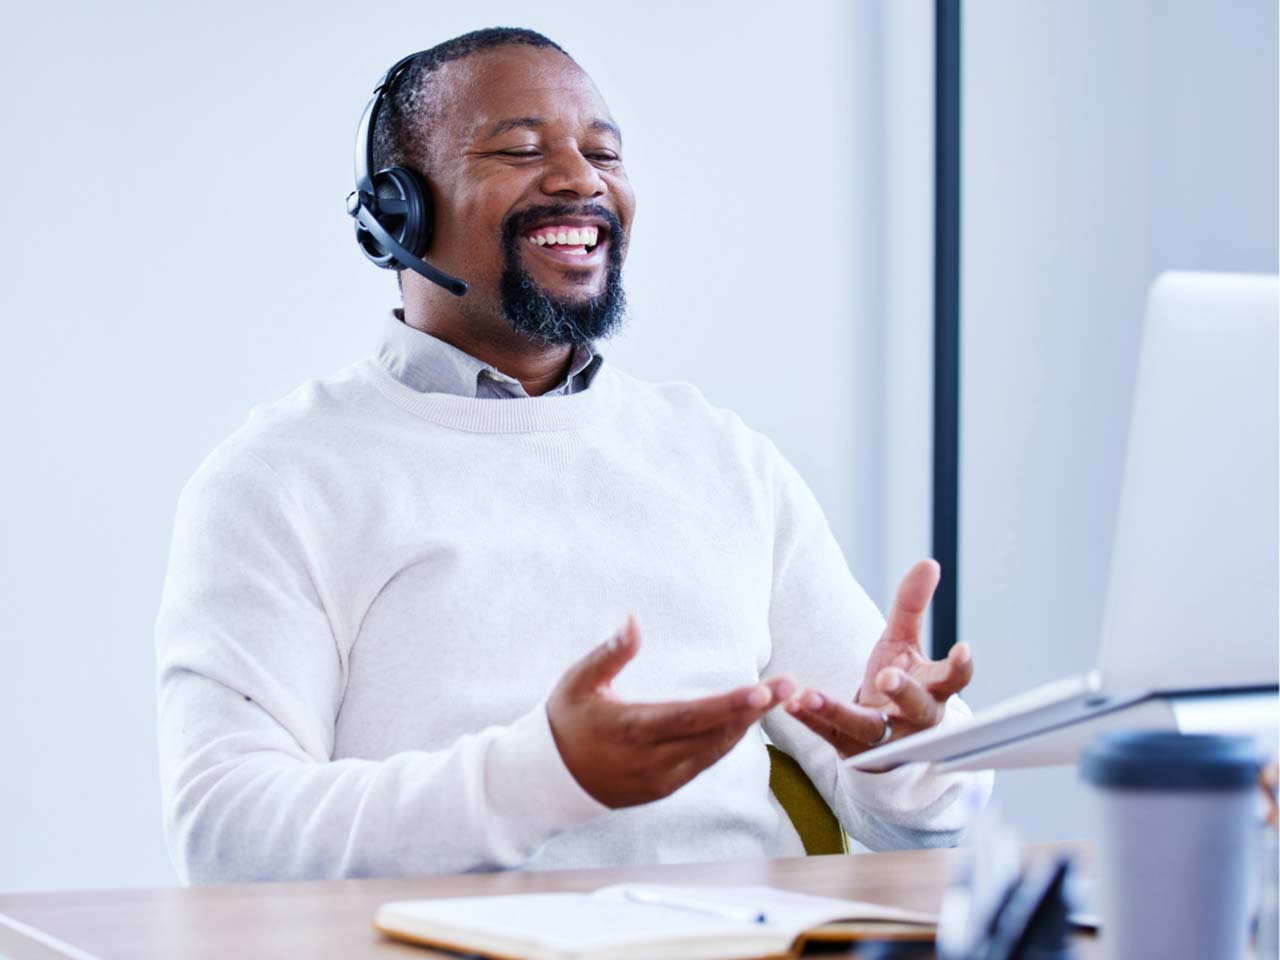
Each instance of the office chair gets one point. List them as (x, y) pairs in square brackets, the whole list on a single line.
[(819, 830)]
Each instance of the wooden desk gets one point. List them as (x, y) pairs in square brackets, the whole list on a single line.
[(319, 921)]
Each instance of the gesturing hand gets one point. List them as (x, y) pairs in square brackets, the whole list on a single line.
[(900, 683), (625, 754)]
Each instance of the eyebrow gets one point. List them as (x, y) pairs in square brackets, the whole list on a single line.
[(533, 123), (606, 126)]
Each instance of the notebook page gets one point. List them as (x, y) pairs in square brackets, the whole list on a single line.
[(562, 924), (782, 909)]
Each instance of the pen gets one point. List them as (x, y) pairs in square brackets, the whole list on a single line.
[(726, 910)]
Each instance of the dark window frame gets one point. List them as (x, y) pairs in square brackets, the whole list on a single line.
[(946, 321)]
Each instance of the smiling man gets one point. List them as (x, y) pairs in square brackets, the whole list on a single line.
[(521, 150), (401, 628)]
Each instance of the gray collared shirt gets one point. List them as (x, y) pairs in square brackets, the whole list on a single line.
[(429, 365)]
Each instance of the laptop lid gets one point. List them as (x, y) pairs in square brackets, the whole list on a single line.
[(1192, 599)]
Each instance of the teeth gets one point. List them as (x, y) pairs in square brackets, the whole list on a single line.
[(586, 236)]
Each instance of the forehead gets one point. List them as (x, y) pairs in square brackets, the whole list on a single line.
[(485, 88)]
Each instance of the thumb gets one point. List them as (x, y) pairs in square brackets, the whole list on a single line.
[(598, 668)]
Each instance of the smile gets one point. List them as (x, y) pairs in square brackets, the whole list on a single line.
[(580, 244)]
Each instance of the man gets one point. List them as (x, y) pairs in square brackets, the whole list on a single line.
[(380, 639)]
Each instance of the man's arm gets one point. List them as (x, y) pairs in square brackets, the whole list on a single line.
[(824, 629), (251, 681)]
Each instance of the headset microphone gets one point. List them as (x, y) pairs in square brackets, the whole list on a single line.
[(392, 208)]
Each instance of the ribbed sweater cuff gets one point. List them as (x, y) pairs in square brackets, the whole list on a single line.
[(529, 786), (913, 795)]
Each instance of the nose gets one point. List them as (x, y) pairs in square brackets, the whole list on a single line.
[(570, 174)]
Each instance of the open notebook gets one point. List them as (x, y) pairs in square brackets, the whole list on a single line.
[(650, 921)]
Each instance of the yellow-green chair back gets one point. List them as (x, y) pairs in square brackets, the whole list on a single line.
[(819, 830)]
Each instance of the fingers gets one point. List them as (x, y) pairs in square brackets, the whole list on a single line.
[(660, 722), (685, 759), (598, 668), (950, 675), (681, 759), (914, 593), (850, 728), (623, 754), (916, 705)]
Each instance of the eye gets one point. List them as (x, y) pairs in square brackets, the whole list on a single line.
[(604, 158), (522, 152)]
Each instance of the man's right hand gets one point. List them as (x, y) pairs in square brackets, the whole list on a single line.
[(625, 754)]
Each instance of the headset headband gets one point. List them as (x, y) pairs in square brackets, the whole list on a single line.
[(384, 247), (364, 135)]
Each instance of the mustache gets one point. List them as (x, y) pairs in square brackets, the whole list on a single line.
[(520, 221)]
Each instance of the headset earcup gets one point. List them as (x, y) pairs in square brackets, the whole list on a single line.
[(415, 233), (412, 229)]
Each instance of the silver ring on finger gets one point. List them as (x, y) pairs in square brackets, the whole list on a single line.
[(888, 730)]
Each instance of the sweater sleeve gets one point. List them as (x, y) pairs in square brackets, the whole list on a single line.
[(822, 628), (250, 681)]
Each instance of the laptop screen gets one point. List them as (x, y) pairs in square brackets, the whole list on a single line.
[(1192, 599)]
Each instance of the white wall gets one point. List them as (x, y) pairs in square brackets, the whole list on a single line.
[(1103, 142), (906, 301), (175, 250)]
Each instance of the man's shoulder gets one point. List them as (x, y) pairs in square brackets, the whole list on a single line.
[(314, 417), (677, 398), (313, 405), (690, 413)]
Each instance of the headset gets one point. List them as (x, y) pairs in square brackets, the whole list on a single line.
[(392, 208)]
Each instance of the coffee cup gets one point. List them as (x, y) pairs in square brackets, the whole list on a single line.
[(1176, 818)]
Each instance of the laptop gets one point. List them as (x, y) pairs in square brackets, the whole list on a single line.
[(1191, 631)]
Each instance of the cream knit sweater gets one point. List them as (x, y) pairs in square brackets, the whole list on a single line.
[(371, 592)]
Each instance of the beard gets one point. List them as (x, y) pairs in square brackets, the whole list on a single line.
[(547, 319)]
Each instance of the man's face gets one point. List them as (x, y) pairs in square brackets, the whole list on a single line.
[(525, 155)]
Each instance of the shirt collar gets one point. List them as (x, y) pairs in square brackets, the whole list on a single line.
[(428, 364)]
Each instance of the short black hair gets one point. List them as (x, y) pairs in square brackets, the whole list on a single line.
[(399, 135)]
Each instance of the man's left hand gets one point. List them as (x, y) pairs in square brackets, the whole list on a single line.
[(902, 691)]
